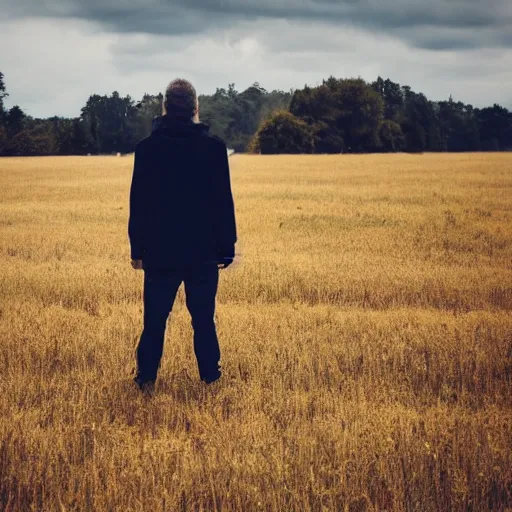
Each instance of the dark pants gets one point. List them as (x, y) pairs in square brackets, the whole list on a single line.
[(160, 288)]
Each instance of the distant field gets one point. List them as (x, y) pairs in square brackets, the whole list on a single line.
[(366, 337)]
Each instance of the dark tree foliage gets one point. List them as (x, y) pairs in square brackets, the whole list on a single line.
[(345, 116), (3, 94), (282, 132), (110, 122), (495, 128), (340, 115), (35, 141), (393, 97), (343, 113), (458, 125), (235, 117), (15, 120), (391, 136)]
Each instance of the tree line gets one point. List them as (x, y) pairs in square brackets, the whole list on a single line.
[(340, 115), (114, 124), (351, 115)]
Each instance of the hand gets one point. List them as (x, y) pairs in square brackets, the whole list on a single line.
[(224, 262), (225, 256), (137, 264)]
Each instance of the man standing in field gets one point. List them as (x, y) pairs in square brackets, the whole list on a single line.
[(182, 228)]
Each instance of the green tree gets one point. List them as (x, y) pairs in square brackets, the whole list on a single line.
[(495, 126), (327, 139), (69, 135), (343, 112), (339, 115), (391, 94), (391, 136), (458, 126), (37, 141), (15, 121), (282, 132), (3, 140), (147, 109), (420, 123), (235, 116), (3, 94), (110, 121), (216, 110)]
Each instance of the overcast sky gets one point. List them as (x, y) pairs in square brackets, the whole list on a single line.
[(55, 53)]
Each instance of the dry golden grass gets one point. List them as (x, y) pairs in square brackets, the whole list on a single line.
[(366, 338)]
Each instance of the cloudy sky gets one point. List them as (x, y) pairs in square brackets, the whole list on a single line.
[(55, 53)]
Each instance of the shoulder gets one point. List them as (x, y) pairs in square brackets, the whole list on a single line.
[(142, 145), (217, 145), (217, 141), (213, 139)]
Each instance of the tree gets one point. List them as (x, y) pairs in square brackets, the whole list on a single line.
[(69, 135), (147, 109), (361, 112), (420, 123), (3, 140), (37, 141), (391, 136), (216, 111), (275, 100), (235, 116), (339, 115), (391, 94), (495, 125), (343, 112), (327, 139), (109, 120), (458, 126), (3, 94), (14, 121), (282, 132)]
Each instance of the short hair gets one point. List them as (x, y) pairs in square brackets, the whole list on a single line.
[(180, 99)]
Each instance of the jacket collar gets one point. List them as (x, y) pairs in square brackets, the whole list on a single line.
[(177, 127)]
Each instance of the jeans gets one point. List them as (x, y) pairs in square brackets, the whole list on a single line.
[(160, 288)]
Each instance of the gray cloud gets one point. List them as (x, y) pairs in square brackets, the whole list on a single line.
[(474, 23), (54, 64), (65, 50)]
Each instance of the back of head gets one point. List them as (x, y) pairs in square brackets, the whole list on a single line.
[(180, 101)]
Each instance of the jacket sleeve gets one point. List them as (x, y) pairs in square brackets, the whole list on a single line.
[(137, 207), (225, 215)]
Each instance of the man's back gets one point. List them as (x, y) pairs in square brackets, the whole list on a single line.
[(181, 206), (182, 229)]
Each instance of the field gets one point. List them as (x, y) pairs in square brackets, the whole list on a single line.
[(366, 334)]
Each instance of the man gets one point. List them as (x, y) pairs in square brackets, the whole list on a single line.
[(182, 228)]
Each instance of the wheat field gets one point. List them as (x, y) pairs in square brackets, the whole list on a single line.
[(366, 337)]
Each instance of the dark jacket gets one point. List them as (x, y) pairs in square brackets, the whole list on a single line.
[(181, 205)]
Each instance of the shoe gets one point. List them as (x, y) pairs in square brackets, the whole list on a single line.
[(210, 379), (146, 386)]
